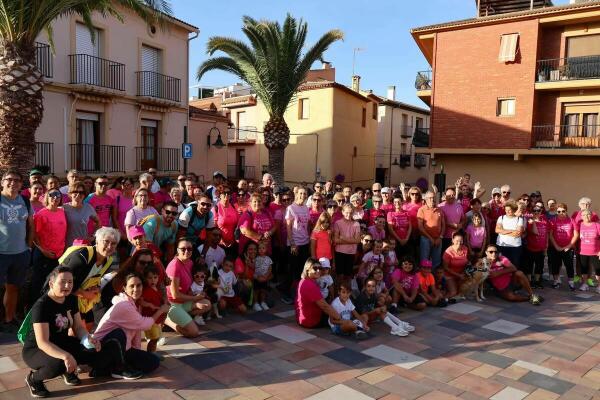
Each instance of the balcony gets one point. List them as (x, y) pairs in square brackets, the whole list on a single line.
[(43, 59), (420, 161), (423, 84), (162, 158), (566, 136), (241, 135), (96, 74), (404, 160), (97, 158), (564, 73), (241, 172), (406, 131), (158, 88), (44, 156), (421, 137)]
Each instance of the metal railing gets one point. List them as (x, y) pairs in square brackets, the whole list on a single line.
[(423, 80), (420, 161), (242, 134), (571, 68), (44, 155), (421, 137), (404, 160), (241, 172), (574, 136), (164, 159), (96, 71), (406, 131), (97, 158), (153, 84), (43, 59)]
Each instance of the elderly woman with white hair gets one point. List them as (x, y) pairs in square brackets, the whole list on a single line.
[(88, 264), (585, 204), (267, 180)]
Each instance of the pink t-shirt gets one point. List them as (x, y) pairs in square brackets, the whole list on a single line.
[(465, 203), (589, 236), (114, 193), (314, 216), (337, 215), (260, 222), (300, 216), (308, 313), (124, 204), (456, 260), (376, 233), (412, 209), (51, 230), (496, 211), (452, 215), (346, 229), (183, 271), (226, 218), (500, 282), (387, 207), (476, 236), (406, 280), (371, 262), (372, 214), (537, 242), (322, 244), (576, 217), (103, 206), (562, 230), (399, 221)]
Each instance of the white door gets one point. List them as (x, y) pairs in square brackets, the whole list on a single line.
[(85, 64)]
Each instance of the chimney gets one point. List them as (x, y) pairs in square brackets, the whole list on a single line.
[(391, 93), (356, 83), (326, 65)]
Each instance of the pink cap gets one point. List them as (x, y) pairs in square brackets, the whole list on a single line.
[(136, 231), (426, 263), (81, 242)]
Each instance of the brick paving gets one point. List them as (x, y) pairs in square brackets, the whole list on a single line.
[(490, 350)]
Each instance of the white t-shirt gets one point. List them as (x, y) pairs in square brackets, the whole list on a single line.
[(213, 256), (197, 288), (345, 310), (324, 283), (509, 223), (226, 282), (261, 265), (301, 216), (371, 262)]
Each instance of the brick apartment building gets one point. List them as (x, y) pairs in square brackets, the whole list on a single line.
[(515, 96)]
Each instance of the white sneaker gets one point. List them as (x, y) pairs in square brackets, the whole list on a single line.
[(199, 320), (399, 332), (257, 307), (406, 326), (219, 316), (584, 287), (162, 341), (264, 306), (598, 289)]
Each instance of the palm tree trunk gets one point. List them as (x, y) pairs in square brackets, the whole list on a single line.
[(277, 137), (21, 106)]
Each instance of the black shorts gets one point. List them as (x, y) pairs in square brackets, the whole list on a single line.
[(590, 263), (257, 285), (344, 264)]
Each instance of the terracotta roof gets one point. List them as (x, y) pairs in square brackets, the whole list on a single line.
[(329, 84), (510, 16), (195, 111), (191, 27), (406, 106)]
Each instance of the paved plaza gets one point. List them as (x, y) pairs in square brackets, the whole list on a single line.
[(492, 350)]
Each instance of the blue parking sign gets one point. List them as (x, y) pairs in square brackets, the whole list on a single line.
[(186, 150)]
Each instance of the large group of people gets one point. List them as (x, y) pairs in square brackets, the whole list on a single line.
[(100, 264)]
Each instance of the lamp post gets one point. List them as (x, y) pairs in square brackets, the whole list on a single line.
[(218, 142)]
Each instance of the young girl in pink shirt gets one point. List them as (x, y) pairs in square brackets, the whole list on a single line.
[(321, 244)]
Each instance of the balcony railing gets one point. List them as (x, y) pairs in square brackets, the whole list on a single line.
[(565, 69), (566, 136), (241, 172), (162, 158), (420, 160), (243, 134), (404, 160), (96, 71), (406, 131), (421, 137), (159, 86), (97, 158), (423, 80), (44, 155), (43, 59)]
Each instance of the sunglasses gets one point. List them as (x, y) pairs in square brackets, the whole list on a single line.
[(375, 191), (537, 210), (81, 192), (184, 249), (317, 268), (205, 204), (491, 252), (167, 212), (145, 263), (561, 211), (101, 183), (368, 240), (376, 201), (54, 195), (197, 276), (285, 199), (414, 194), (505, 192), (316, 199)]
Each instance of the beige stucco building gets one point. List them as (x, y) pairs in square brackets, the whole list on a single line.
[(116, 104)]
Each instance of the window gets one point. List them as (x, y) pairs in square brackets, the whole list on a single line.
[(304, 109), (579, 46), (375, 110), (508, 47), (364, 117), (571, 126), (590, 127), (506, 107), (149, 144), (85, 152)]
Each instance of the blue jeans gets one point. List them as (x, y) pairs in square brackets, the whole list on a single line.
[(430, 252)]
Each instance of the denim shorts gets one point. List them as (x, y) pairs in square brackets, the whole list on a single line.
[(14, 267)]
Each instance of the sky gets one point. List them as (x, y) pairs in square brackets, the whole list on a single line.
[(381, 28)]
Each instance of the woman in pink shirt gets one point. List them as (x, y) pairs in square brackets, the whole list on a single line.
[(454, 261), (589, 248), (411, 206), (311, 308), (256, 224), (226, 218), (400, 226), (37, 196), (372, 214), (346, 237), (316, 209), (536, 246), (563, 240)]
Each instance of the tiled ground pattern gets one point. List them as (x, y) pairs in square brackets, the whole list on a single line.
[(491, 350)]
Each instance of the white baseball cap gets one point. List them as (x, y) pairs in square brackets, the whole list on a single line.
[(324, 262)]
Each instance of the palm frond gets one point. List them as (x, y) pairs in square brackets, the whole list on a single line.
[(226, 64)]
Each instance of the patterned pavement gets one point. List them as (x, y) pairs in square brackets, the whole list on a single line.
[(490, 350)]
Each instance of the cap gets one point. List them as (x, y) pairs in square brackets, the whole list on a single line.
[(136, 231), (166, 181), (219, 173), (324, 262), (35, 171), (385, 190), (426, 263), (281, 190), (536, 193), (496, 190)]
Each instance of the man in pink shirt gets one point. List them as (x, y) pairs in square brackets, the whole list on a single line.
[(105, 206), (454, 217)]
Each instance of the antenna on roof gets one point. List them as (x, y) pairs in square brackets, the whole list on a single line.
[(356, 49)]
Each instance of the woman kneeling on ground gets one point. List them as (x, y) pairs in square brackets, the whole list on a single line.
[(48, 349)]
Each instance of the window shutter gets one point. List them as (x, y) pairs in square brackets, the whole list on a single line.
[(508, 47), (83, 41), (150, 59)]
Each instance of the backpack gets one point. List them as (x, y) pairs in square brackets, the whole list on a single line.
[(237, 233), (25, 328)]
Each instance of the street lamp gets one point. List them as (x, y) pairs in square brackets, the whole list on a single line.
[(218, 142), (395, 162)]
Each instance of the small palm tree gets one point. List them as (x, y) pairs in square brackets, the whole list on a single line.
[(21, 82), (274, 66)]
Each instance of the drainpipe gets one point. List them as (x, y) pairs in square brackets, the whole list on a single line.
[(187, 101), (391, 149)]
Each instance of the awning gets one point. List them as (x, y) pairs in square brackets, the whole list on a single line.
[(508, 47)]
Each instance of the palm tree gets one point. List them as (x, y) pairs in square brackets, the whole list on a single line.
[(274, 66), (21, 82)]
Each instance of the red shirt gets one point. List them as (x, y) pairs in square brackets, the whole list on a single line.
[(500, 282), (226, 218), (260, 222), (465, 202), (562, 230), (323, 244), (154, 297), (372, 214), (496, 211), (308, 313), (457, 260), (537, 242)]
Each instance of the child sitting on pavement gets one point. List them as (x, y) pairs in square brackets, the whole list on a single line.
[(427, 287), (325, 281), (346, 325)]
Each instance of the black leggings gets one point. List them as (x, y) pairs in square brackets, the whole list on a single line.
[(344, 264), (557, 258), (590, 264), (533, 262), (46, 367), (138, 359), (296, 265)]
